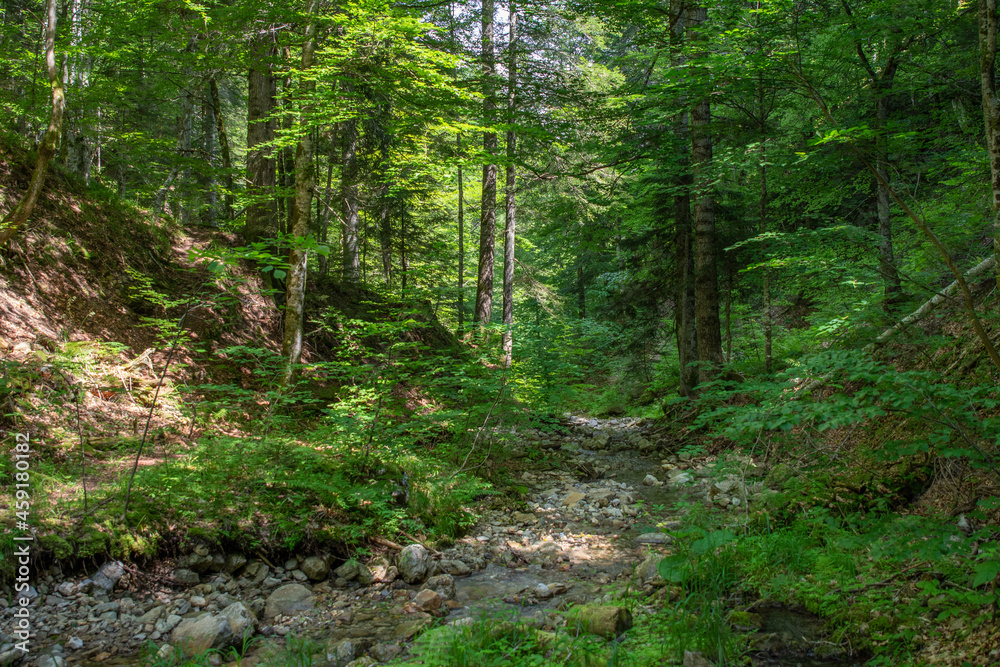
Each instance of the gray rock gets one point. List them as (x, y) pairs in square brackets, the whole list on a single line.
[(74, 643), (654, 538), (85, 586), (288, 600), (186, 577), (647, 572), (542, 592), (292, 564), (365, 575), (348, 570), (456, 568), (66, 588), (343, 651), (271, 582), (196, 563), (234, 562), (165, 625), (315, 568), (51, 661), (197, 635), (11, 657), (649, 480), (386, 652), (443, 585), (363, 661), (241, 620), (182, 607), (108, 575), (413, 563), (299, 575), (153, 614), (696, 659), (106, 606)]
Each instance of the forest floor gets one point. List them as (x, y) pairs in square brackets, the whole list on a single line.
[(601, 514)]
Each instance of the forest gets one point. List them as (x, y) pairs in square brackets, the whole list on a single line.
[(493, 333)]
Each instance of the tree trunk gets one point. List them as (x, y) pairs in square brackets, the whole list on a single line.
[(581, 289), (988, 28), (47, 149), (511, 203), (768, 323), (227, 159), (304, 183), (207, 178), (706, 271), (892, 287), (461, 242), (487, 216), (687, 341), (349, 203), (262, 218)]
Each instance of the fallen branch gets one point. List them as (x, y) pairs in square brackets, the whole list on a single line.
[(386, 543)]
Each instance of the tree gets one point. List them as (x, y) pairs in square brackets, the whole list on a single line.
[(487, 215), (47, 149), (304, 184), (511, 182)]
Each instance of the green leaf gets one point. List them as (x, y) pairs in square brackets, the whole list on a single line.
[(280, 275), (986, 572)]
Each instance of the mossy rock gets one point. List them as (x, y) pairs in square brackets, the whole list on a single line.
[(779, 476), (59, 547)]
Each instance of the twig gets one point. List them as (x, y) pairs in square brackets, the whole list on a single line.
[(386, 543), (264, 558), (167, 581), (152, 407), (412, 538), (496, 400)]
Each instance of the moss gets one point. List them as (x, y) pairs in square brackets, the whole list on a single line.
[(93, 543), (58, 546), (746, 621), (779, 475)]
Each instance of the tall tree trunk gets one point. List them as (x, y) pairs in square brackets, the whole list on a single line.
[(324, 228), (262, 216), (581, 289), (461, 241), (687, 341), (892, 287), (295, 293), (768, 322), (511, 181), (706, 270), (47, 149), (349, 203), (187, 132), (207, 178), (488, 213), (227, 158), (988, 29), (404, 262)]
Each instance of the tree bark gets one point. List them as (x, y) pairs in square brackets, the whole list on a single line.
[(47, 149), (351, 260), (487, 216), (461, 241), (262, 216), (224, 150), (684, 316), (304, 183), (511, 181), (892, 287), (988, 28), (706, 270)]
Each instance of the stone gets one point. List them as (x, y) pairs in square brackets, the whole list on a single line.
[(654, 538), (386, 652), (680, 478), (522, 517), (348, 570), (410, 628), (696, 659), (363, 661), (649, 480), (292, 564), (299, 575), (198, 601), (443, 585), (413, 563), (51, 661), (648, 572), (722, 500), (165, 625), (455, 568), (601, 497), (109, 574), (74, 643), (343, 651), (186, 577), (241, 620), (288, 600), (428, 600), (234, 562), (195, 562), (66, 588), (315, 568), (197, 635), (573, 498), (365, 575), (542, 592)]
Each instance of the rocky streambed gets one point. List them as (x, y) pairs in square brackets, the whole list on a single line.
[(597, 521)]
